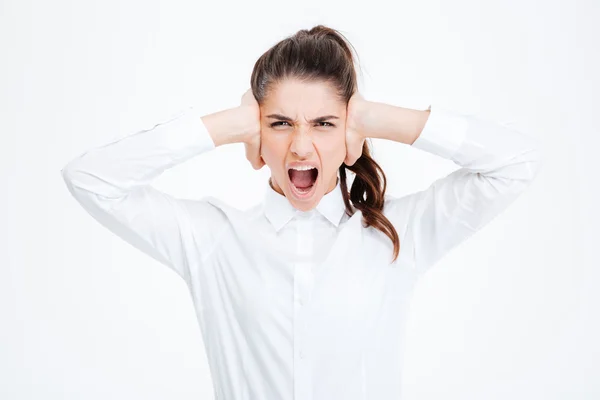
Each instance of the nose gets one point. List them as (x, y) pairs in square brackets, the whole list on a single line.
[(302, 145)]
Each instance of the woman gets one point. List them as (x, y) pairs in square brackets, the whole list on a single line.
[(305, 296)]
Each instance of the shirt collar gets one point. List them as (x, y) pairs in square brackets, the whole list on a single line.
[(279, 211)]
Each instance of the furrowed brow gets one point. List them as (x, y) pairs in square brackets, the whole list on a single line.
[(318, 119)]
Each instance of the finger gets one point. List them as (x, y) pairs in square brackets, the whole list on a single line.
[(253, 154), (248, 98), (250, 155), (350, 158), (259, 160), (354, 151), (348, 162)]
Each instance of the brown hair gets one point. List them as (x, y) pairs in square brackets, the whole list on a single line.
[(324, 54)]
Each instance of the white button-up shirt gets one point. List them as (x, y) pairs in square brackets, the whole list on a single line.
[(301, 305)]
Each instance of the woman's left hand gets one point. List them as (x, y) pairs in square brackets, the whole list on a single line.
[(355, 128)]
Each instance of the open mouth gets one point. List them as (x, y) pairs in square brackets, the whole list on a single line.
[(303, 180)]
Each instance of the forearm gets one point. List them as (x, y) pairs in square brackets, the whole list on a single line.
[(497, 163), (395, 123), (233, 125), (111, 171), (113, 183)]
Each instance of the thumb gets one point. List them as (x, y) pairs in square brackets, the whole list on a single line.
[(253, 153)]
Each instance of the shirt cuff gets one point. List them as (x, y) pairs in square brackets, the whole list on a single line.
[(187, 135), (444, 132)]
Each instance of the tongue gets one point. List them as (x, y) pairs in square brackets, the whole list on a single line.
[(301, 179)]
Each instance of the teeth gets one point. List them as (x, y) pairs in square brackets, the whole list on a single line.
[(303, 168)]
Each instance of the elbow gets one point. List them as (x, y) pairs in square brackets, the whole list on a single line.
[(536, 161), (66, 174), (517, 176), (529, 163), (69, 173), (75, 177)]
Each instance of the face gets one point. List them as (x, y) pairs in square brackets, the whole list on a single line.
[(303, 140)]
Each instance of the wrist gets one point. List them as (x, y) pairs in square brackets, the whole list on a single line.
[(400, 124), (233, 125)]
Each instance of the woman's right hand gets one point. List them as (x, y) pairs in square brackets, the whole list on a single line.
[(252, 141), (239, 124)]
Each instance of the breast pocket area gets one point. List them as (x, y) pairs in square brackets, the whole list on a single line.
[(350, 295)]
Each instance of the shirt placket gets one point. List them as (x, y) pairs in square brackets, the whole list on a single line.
[(303, 280)]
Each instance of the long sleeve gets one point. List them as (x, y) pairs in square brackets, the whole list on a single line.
[(497, 164), (113, 184)]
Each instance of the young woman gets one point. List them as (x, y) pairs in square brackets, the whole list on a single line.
[(305, 296)]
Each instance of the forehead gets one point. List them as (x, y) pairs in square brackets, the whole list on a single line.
[(292, 96)]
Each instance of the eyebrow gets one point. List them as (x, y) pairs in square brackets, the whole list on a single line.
[(318, 119)]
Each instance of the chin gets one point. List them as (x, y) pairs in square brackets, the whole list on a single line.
[(305, 205)]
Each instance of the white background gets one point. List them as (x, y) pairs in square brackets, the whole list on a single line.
[(512, 313)]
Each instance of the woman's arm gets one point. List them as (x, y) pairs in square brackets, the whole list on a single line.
[(497, 164), (113, 184)]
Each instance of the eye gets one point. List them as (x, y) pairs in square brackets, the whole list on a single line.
[(278, 123), (324, 122)]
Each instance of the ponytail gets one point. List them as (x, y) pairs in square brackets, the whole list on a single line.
[(368, 195)]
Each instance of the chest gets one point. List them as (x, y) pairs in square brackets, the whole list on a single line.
[(326, 280)]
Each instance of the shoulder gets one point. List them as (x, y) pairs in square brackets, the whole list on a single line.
[(402, 211), (221, 209), (214, 205), (397, 206)]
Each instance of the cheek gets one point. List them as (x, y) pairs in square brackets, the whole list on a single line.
[(332, 150), (273, 151)]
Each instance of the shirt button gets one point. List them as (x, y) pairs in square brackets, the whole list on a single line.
[(301, 354)]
